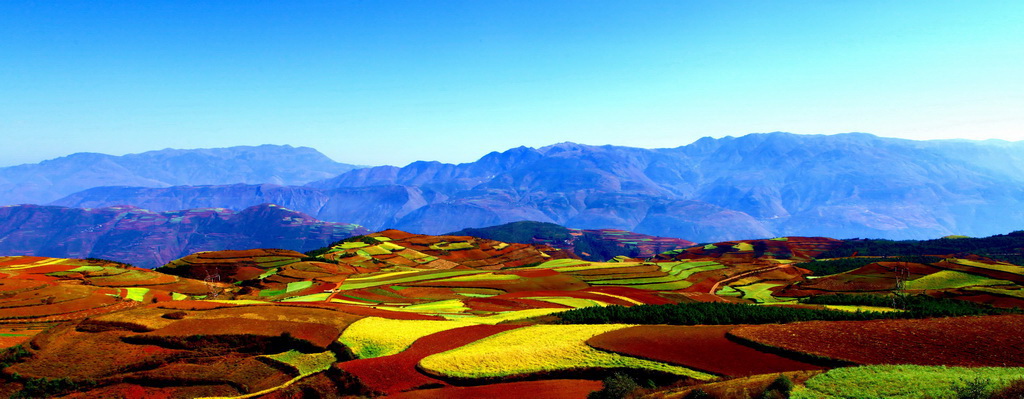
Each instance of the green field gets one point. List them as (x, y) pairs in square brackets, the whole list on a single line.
[(760, 292), (947, 279), (678, 272), (900, 381), (355, 283), (305, 363)]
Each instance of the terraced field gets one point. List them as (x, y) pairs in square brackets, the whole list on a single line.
[(408, 315)]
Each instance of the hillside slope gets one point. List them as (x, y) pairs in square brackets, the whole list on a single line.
[(149, 239)]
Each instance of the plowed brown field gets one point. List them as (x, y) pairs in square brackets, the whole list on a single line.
[(547, 389), (953, 341), (704, 348)]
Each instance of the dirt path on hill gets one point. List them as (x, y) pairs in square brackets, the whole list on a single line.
[(714, 288)]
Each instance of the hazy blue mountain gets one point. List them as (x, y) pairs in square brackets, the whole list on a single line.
[(50, 180), (150, 239), (758, 185)]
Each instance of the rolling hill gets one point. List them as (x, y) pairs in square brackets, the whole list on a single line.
[(150, 239)]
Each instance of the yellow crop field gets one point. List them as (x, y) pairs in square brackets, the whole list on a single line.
[(377, 336), (744, 246), (569, 301), (320, 297), (1003, 267), (442, 306), (539, 348), (481, 277), (136, 294), (559, 263), (502, 316)]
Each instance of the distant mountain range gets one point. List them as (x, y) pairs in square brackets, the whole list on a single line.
[(149, 239), (50, 180), (758, 185)]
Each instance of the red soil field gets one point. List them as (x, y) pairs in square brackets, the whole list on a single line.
[(96, 300), (194, 305), (704, 348), (573, 294), (559, 282), (117, 306), (533, 273), (495, 304), (849, 283), (952, 341), (319, 335), (65, 352), (545, 389), (246, 373), (366, 311), (7, 342), (398, 372), (991, 299), (155, 279), (247, 253), (21, 260), (8, 285), (422, 293), (648, 297)]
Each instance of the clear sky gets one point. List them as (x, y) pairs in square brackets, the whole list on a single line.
[(390, 82)]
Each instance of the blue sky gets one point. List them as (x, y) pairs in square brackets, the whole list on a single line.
[(390, 82)]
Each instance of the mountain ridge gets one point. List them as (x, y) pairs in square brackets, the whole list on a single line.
[(758, 185), (52, 179)]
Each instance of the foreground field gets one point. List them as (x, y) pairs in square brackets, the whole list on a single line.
[(407, 315)]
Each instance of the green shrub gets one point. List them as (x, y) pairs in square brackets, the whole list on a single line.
[(50, 387), (780, 388), (977, 388), (915, 306), (617, 386), (12, 355), (698, 394)]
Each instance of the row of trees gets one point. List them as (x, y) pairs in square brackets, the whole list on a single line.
[(917, 306), (1005, 247)]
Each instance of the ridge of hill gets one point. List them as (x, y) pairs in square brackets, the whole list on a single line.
[(43, 182), (758, 185), (593, 244), (150, 239), (1005, 247)]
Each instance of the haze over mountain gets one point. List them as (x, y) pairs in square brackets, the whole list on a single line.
[(758, 185), (49, 180), (149, 239)]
